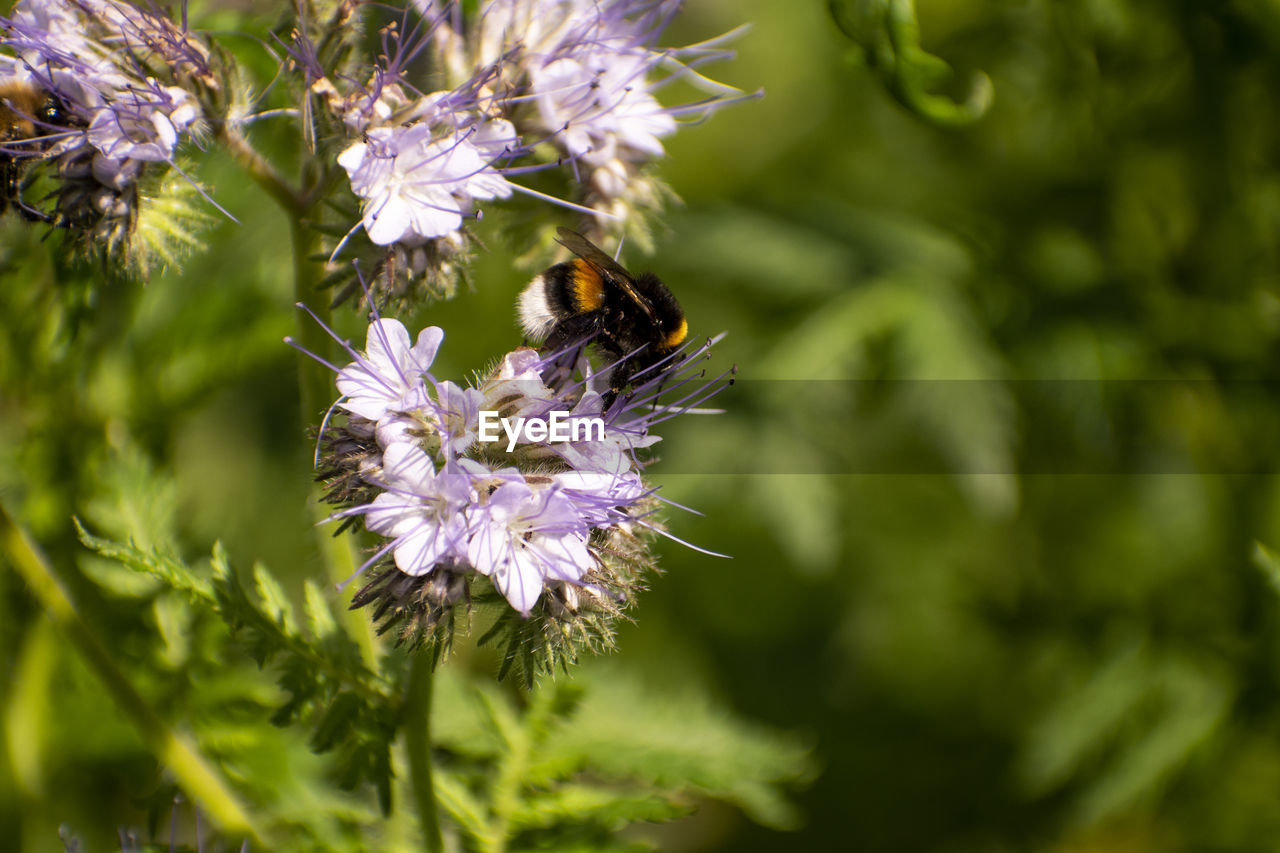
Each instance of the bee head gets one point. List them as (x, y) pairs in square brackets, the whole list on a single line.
[(52, 111), (669, 318)]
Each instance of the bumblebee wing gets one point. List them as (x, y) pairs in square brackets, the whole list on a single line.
[(591, 253), (605, 265)]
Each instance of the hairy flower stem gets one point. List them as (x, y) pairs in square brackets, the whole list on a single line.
[(314, 382), (262, 172), (313, 378), (192, 771), (416, 723)]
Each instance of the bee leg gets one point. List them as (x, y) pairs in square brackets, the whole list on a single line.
[(14, 186), (8, 171), (32, 214), (647, 369), (623, 371), (566, 342), (578, 329)]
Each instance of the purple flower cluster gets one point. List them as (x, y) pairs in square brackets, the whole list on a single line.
[(582, 75), (125, 75), (119, 87), (576, 78), (443, 500), (541, 519)]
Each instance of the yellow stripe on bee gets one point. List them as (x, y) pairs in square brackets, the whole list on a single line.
[(588, 286), (677, 336)]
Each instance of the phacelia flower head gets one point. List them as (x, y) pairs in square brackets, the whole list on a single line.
[(552, 526), (566, 88), (419, 165), (582, 75), (128, 85)]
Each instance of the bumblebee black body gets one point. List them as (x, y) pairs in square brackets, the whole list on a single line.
[(634, 320), (27, 113)]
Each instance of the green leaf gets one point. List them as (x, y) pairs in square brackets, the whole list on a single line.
[(319, 617), (624, 731), (274, 601), (174, 616), (458, 802), (604, 751), (1268, 562), (119, 579), (347, 708), (167, 568), (132, 499), (609, 808), (1125, 729)]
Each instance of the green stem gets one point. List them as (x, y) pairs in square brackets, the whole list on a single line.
[(417, 738), (315, 382), (262, 172), (193, 772)]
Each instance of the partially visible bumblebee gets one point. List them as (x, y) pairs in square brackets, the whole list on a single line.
[(631, 317), (28, 113)]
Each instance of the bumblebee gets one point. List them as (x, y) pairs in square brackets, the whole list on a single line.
[(27, 115), (635, 320)]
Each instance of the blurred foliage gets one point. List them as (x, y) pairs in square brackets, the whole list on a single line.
[(889, 34), (315, 753), (585, 758), (999, 478), (1017, 442)]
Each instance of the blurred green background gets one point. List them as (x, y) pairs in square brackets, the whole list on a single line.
[(1011, 595)]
